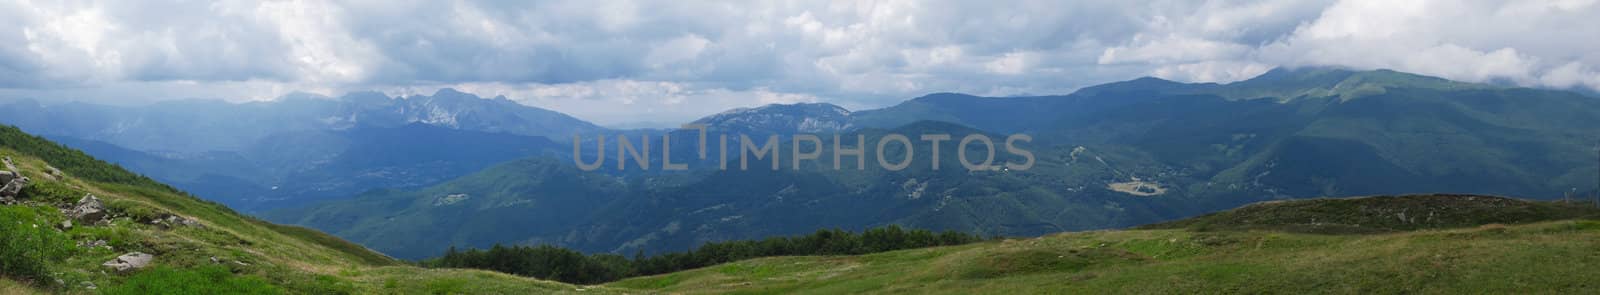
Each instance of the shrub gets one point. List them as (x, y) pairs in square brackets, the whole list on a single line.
[(51, 192), (203, 280), (137, 211), (29, 242), (560, 264)]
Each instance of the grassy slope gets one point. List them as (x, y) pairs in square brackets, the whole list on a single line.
[(1551, 256), (10, 287), (295, 259)]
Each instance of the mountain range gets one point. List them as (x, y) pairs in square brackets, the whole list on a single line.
[(1109, 156), (78, 225), (413, 176), (302, 148)]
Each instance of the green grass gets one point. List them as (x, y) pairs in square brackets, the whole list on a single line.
[(1553, 257), (202, 280), (412, 280), (229, 254), (10, 287), (1448, 244), (1382, 214)]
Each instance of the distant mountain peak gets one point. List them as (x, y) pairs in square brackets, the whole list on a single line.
[(1145, 84), (804, 107), (451, 92), (302, 95), (1325, 81), (944, 96), (796, 117)]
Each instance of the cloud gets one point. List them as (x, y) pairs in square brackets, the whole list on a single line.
[(1516, 41), (620, 61)]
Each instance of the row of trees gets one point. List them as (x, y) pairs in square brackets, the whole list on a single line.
[(565, 265), (72, 161)]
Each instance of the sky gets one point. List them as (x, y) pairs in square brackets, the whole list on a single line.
[(659, 63)]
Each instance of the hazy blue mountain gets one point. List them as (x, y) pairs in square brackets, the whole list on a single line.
[(551, 201), (781, 118), (404, 157), (191, 126), (1111, 155), (301, 147), (295, 168)]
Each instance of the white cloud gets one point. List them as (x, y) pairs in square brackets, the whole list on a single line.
[(683, 48), (1517, 41), (1009, 64), (1211, 71), (615, 61), (620, 102)]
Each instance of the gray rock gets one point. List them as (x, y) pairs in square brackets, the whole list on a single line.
[(7, 176), (175, 220), (130, 261), (89, 209), (14, 187), (66, 224), (94, 243)]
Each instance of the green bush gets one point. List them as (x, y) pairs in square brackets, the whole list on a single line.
[(565, 265), (29, 242), (203, 280), (51, 192), (118, 236), (135, 210)]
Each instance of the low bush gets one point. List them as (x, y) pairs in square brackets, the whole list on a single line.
[(29, 242), (51, 192), (565, 265), (137, 211)]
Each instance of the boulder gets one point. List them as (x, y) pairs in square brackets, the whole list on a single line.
[(174, 220), (130, 261), (7, 176), (88, 210), (13, 188), (51, 173), (94, 244)]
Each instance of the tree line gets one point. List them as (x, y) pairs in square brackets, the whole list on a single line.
[(569, 266)]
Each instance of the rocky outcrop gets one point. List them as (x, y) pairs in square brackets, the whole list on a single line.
[(88, 210), (11, 182), (175, 220), (94, 244), (130, 261)]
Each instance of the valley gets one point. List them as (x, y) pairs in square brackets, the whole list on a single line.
[(96, 216), (271, 147), (1108, 156)]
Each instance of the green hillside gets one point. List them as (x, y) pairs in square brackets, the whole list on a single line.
[(1382, 214), (1531, 256), (215, 251)]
